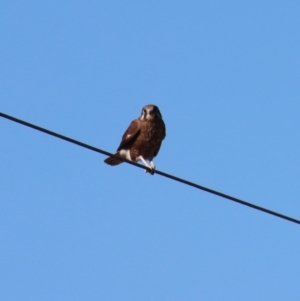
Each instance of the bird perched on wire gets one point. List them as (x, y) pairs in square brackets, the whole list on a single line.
[(142, 139)]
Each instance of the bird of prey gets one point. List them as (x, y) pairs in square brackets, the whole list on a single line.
[(142, 139)]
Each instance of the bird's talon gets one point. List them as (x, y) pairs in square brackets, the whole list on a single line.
[(149, 170)]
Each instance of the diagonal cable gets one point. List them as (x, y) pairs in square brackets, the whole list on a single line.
[(98, 150)]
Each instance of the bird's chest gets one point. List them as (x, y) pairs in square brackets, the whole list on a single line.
[(147, 142), (148, 137)]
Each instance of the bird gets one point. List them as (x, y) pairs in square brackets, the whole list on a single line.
[(142, 139)]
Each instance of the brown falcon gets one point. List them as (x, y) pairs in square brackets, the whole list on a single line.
[(142, 139)]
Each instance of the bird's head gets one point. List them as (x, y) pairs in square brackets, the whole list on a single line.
[(150, 112)]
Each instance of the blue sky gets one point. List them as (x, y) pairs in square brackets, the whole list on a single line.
[(225, 75)]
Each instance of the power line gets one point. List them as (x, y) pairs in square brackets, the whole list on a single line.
[(95, 149)]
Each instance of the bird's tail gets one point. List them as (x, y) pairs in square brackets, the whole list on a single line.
[(113, 160)]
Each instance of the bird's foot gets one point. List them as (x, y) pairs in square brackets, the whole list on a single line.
[(149, 168)]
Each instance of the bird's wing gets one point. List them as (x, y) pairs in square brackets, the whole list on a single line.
[(131, 133), (163, 135)]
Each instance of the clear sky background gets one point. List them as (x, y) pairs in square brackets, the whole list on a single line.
[(225, 75)]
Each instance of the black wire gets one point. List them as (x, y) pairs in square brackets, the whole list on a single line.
[(95, 149)]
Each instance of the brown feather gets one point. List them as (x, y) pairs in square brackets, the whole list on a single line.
[(113, 160), (130, 134), (149, 140)]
